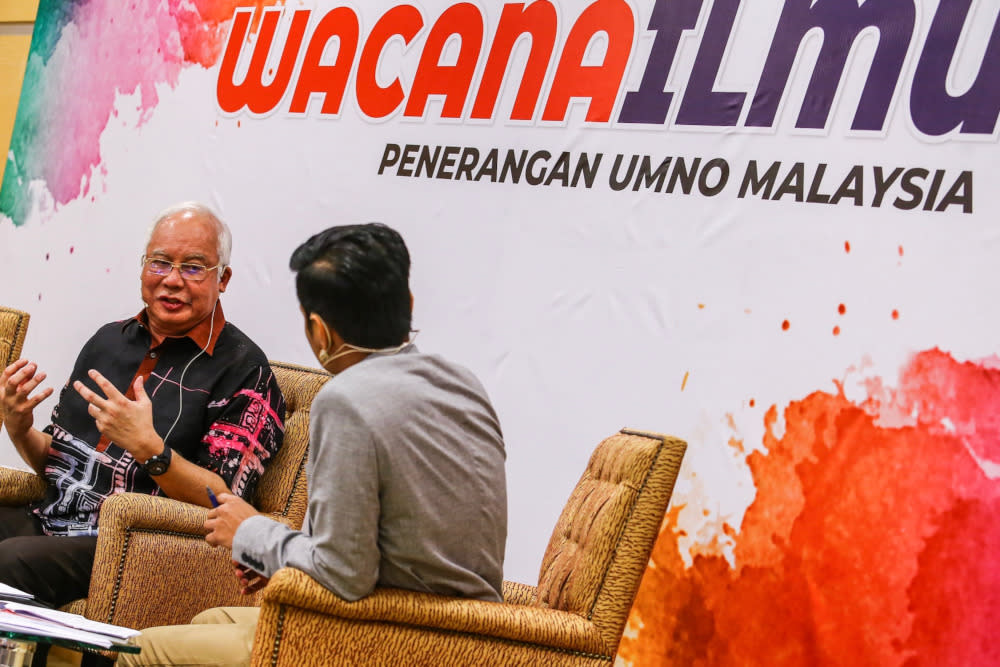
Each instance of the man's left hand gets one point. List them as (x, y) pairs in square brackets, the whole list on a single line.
[(128, 423), (223, 520)]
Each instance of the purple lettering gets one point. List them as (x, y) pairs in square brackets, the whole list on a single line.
[(650, 104), (701, 105), (933, 110), (841, 22)]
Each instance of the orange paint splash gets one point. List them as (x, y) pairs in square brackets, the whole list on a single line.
[(684, 382), (836, 331), (842, 309), (786, 325), (847, 246), (895, 314), (867, 543)]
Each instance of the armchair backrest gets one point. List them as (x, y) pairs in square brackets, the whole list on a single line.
[(283, 486), (13, 329), (601, 544)]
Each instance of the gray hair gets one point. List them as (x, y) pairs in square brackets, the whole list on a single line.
[(225, 240)]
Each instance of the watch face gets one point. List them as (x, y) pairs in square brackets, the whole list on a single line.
[(157, 466)]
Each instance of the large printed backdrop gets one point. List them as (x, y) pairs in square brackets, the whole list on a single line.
[(768, 228)]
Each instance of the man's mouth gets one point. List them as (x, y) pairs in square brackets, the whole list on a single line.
[(170, 303)]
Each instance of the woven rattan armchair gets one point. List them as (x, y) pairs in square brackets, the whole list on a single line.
[(153, 566), (575, 616), (13, 329)]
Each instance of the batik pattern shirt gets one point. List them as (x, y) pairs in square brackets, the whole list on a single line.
[(220, 408)]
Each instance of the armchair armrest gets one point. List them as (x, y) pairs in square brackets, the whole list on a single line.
[(293, 596), (517, 593), (20, 487), (153, 566)]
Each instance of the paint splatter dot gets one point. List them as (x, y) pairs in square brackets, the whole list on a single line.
[(785, 325), (237, 123), (836, 331), (46, 257), (685, 380), (752, 402), (701, 306), (900, 251), (71, 249), (39, 296), (847, 246), (747, 311), (895, 314), (841, 309)]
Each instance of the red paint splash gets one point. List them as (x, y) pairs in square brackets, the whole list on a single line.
[(895, 314), (869, 542), (847, 246), (836, 331), (842, 309), (786, 325)]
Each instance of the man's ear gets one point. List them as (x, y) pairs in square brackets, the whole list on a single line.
[(224, 278), (326, 336), (411, 303)]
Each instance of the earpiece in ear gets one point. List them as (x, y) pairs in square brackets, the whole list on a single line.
[(323, 357)]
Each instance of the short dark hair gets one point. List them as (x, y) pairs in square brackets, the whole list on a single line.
[(357, 278)]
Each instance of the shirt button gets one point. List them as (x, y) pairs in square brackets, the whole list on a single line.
[(152, 355)]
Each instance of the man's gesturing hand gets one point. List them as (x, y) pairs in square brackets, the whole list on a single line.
[(129, 424), (17, 405), (223, 520), (250, 581)]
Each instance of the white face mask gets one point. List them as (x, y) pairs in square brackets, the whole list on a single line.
[(346, 348)]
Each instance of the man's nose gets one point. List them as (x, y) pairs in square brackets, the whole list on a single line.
[(174, 277)]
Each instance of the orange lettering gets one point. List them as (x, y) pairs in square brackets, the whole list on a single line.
[(331, 80), (452, 81), (374, 100), (598, 82), (252, 93), (538, 20)]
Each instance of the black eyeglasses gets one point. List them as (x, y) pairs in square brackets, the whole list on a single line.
[(193, 272)]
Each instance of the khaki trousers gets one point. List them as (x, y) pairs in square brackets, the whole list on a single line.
[(221, 637)]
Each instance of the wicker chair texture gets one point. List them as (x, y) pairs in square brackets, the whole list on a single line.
[(576, 614), (153, 566), (13, 329)]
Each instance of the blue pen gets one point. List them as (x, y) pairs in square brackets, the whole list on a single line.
[(211, 497)]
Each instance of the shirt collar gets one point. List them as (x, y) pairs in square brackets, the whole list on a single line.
[(199, 334)]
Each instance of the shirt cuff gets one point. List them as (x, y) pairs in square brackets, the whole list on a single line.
[(249, 547)]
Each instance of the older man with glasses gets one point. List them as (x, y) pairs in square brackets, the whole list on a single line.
[(166, 403)]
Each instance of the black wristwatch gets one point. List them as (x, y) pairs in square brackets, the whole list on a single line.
[(157, 465)]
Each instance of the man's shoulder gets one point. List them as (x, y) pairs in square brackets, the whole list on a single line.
[(409, 375), (111, 333), (235, 345)]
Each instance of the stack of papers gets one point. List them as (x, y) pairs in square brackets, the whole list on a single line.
[(41, 622), (11, 592)]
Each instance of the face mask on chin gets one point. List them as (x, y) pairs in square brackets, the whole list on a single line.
[(325, 358)]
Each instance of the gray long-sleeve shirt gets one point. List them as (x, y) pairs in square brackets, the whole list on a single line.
[(406, 485)]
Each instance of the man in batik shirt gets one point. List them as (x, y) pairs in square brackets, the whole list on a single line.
[(166, 403)]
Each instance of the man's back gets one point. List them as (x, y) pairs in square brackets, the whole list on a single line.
[(406, 482)]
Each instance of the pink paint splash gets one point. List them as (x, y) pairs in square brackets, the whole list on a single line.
[(872, 539), (103, 49)]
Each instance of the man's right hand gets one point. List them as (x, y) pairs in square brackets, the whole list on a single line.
[(249, 580), (17, 405)]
